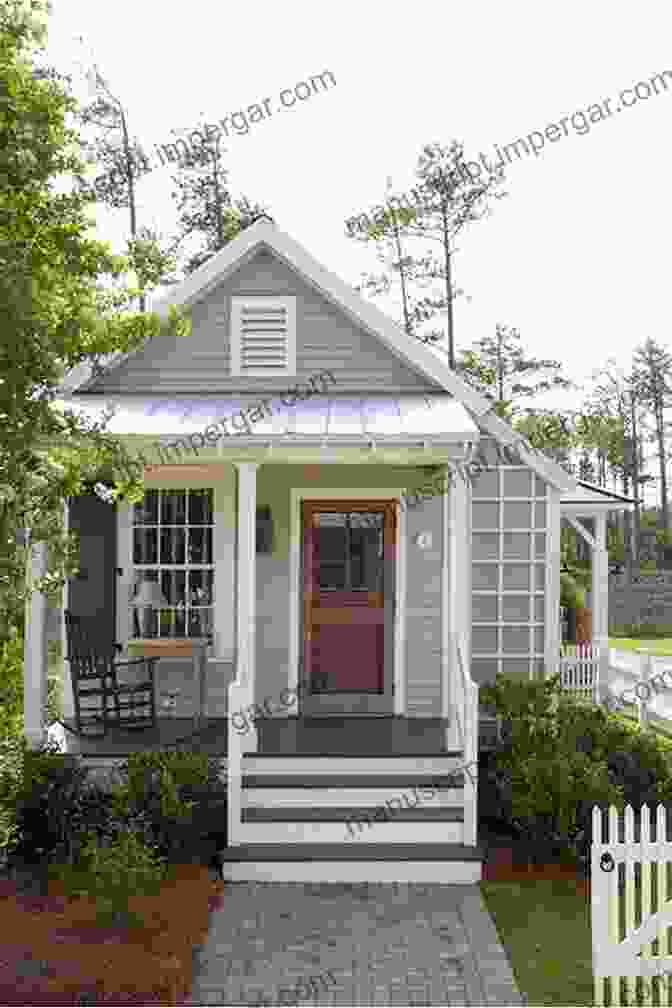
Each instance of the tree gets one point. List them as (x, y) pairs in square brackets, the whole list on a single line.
[(611, 424), (123, 160), (205, 209), (58, 310), (446, 201), (652, 377), (494, 363)]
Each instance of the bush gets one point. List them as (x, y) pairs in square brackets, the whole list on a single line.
[(11, 686), (113, 871), (160, 786), (642, 631), (38, 789), (546, 773), (572, 595)]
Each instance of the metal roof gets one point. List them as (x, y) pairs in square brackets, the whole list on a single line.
[(250, 419)]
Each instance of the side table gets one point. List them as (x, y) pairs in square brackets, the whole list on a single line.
[(179, 647)]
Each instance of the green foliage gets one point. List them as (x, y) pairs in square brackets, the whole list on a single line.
[(111, 872), (62, 305), (37, 788), (156, 785), (546, 777), (572, 594), (642, 631), (560, 756), (664, 537)]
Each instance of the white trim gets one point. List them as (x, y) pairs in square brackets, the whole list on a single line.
[(68, 696), (288, 303), (583, 532), (411, 352), (299, 494), (551, 594), (448, 691), (246, 570), (35, 649), (125, 579)]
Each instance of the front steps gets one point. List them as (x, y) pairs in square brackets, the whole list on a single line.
[(442, 863), (352, 818)]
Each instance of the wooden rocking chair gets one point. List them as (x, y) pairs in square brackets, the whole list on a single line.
[(125, 705)]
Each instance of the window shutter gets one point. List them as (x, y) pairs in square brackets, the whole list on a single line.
[(263, 336), (92, 594)]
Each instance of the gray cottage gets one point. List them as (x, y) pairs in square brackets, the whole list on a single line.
[(339, 542)]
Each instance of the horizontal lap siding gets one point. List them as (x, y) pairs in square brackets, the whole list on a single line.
[(326, 339), (423, 611)]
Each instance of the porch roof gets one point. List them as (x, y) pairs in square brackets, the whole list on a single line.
[(589, 498), (334, 419)]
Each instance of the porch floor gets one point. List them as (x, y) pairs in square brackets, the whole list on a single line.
[(316, 736)]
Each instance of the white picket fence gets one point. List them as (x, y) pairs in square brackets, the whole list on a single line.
[(580, 666), (629, 918)]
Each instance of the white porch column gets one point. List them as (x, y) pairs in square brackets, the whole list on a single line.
[(246, 584), (600, 592), (456, 615), (35, 652), (68, 698)]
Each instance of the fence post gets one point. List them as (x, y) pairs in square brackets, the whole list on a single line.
[(646, 674)]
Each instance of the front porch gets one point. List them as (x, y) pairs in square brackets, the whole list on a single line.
[(300, 736)]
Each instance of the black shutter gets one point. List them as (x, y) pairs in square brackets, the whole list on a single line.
[(92, 594)]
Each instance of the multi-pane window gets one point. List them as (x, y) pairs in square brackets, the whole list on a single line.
[(509, 544), (173, 548)]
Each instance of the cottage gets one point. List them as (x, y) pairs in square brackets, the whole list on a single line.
[(347, 632)]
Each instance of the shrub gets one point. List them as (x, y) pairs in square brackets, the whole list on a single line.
[(113, 871), (160, 786), (547, 772), (642, 631), (38, 788), (572, 595)]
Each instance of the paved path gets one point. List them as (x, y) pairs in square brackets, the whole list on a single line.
[(384, 944)]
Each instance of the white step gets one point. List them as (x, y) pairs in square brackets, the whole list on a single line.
[(340, 832), (253, 763), (443, 863), (346, 872), (304, 797)]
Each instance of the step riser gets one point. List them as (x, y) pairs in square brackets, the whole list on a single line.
[(341, 832), (420, 872), (355, 797), (351, 766)]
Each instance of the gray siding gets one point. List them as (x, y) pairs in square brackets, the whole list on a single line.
[(423, 598), (325, 338), (423, 609)]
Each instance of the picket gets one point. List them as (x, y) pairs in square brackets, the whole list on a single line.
[(580, 670), (629, 917)]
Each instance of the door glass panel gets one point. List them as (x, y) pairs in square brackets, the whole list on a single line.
[(331, 546), (366, 551)]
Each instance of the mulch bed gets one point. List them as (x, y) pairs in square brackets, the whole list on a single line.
[(506, 861), (53, 952)]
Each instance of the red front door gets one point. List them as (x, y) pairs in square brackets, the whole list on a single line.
[(348, 579)]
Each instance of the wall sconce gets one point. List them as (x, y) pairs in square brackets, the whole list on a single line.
[(423, 540), (264, 530)]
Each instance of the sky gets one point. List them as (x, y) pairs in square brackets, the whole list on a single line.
[(573, 257)]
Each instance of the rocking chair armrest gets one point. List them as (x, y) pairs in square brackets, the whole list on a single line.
[(151, 662)]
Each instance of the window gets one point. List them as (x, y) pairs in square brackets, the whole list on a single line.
[(172, 547), (263, 336)]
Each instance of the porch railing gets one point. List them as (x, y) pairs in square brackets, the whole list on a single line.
[(466, 713)]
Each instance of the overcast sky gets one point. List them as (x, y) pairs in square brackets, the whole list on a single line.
[(574, 257)]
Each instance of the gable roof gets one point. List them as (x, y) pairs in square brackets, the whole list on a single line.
[(264, 233)]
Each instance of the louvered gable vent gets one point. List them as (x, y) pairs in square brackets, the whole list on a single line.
[(263, 336)]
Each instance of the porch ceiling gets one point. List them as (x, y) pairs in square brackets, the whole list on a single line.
[(332, 419)]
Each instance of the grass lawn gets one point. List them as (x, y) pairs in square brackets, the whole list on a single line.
[(544, 925), (660, 646)]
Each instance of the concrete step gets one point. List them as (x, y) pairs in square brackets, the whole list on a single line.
[(442, 863)]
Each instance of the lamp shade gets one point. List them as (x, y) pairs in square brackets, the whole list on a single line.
[(150, 594)]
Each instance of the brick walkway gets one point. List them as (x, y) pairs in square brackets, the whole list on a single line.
[(384, 944)]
